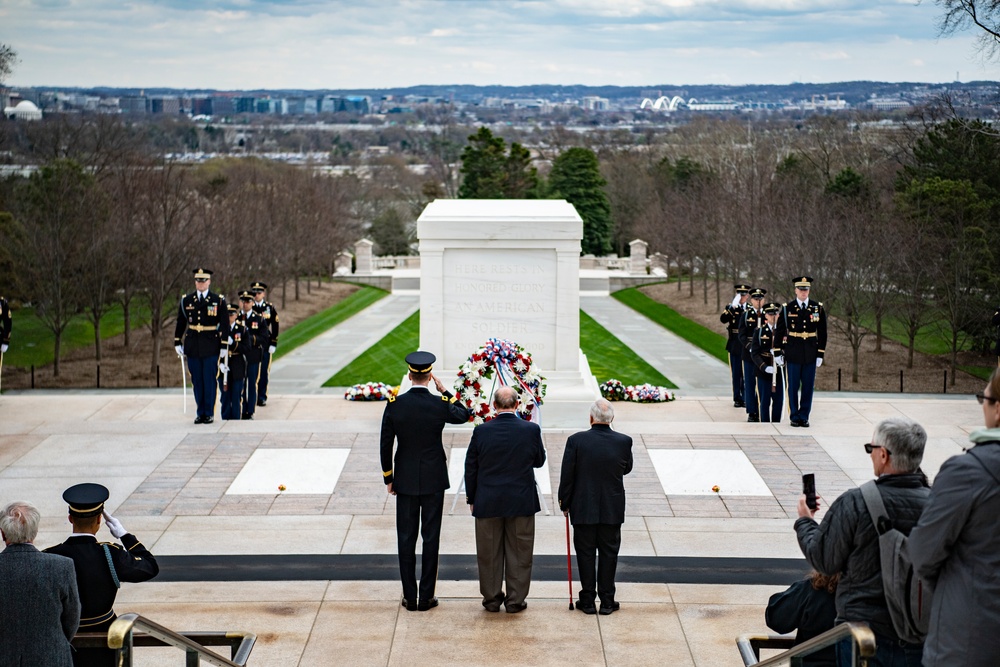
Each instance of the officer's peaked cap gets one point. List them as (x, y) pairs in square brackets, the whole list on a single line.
[(420, 362), (742, 288), (86, 500), (202, 274), (772, 307), (232, 308), (246, 294), (258, 287), (803, 281), (757, 293)]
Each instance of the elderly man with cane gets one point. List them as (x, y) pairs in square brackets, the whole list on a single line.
[(592, 494)]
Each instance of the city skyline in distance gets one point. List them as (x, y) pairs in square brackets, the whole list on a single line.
[(312, 45)]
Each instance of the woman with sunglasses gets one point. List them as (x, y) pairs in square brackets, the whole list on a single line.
[(957, 544)]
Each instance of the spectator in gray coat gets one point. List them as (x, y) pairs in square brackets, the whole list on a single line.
[(957, 544), (39, 604), (847, 541)]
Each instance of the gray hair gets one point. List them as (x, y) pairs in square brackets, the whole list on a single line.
[(505, 398), (904, 439), (602, 412), (19, 522)]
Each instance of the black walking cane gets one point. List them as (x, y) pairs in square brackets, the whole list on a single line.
[(569, 566)]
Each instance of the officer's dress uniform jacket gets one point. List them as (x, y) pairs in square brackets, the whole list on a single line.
[(257, 332), (770, 401), (731, 317), (800, 336), (232, 395), (203, 325), (5, 321), (419, 476), (98, 586), (269, 314), (749, 322)]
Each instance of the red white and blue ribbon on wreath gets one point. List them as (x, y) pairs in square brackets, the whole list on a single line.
[(513, 368)]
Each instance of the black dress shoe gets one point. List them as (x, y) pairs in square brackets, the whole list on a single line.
[(424, 605), (492, 608), (410, 605), (199, 420), (753, 418), (262, 402), (804, 423), (515, 608), (796, 423), (739, 404), (207, 420), (586, 608), (246, 416), (607, 609)]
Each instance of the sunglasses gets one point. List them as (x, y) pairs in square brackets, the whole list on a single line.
[(869, 447), (981, 396)]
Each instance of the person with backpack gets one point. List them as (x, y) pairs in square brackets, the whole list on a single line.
[(847, 541), (956, 544)]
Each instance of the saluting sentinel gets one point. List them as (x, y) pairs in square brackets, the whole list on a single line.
[(256, 331), (770, 384), (5, 325), (800, 340), (418, 475), (731, 318), (269, 314), (101, 567), (203, 325), (753, 315), (234, 373)]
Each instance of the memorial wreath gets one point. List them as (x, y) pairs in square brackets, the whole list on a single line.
[(370, 391), (615, 390), (504, 363)]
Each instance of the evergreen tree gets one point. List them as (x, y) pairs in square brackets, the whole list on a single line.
[(490, 172), (576, 177)]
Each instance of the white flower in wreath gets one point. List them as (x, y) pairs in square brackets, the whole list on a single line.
[(469, 394), (477, 367), (520, 366), (367, 391)]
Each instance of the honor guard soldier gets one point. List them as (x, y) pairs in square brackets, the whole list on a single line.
[(269, 314), (5, 325), (256, 331), (751, 319), (101, 567), (996, 324), (234, 372), (418, 474), (731, 318), (770, 385), (204, 327), (800, 342)]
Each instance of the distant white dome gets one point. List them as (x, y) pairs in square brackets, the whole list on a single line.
[(25, 110)]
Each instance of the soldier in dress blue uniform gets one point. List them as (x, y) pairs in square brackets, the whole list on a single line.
[(750, 320), (269, 314), (731, 318), (256, 331), (234, 373), (770, 384), (5, 325), (800, 343), (204, 327), (996, 325), (101, 567), (418, 474)]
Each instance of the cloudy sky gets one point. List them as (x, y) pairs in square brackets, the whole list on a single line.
[(310, 44)]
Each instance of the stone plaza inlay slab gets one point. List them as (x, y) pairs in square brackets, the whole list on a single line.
[(298, 470), (685, 472)]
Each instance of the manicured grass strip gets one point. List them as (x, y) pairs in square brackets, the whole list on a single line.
[(981, 372), (31, 343), (932, 338), (610, 358), (309, 328), (383, 361), (709, 341)]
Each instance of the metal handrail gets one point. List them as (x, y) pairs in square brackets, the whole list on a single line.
[(863, 645), (120, 638)]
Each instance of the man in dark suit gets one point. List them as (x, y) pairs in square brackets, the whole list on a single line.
[(418, 476), (203, 326), (501, 492), (39, 603), (592, 494), (101, 567)]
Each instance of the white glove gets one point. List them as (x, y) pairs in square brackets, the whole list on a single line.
[(736, 301), (223, 367), (229, 341), (3, 348), (819, 362), (180, 350), (780, 360), (769, 369), (271, 349), (223, 353), (114, 525)]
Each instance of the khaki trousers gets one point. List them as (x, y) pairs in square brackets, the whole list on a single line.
[(504, 550)]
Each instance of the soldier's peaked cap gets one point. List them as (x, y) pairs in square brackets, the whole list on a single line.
[(246, 294), (420, 362), (803, 281), (203, 274), (258, 287), (86, 500), (742, 288), (772, 307), (232, 308), (757, 293)]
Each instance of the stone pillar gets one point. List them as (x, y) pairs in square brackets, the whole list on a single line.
[(659, 265), (342, 264), (588, 262), (363, 255), (637, 257)]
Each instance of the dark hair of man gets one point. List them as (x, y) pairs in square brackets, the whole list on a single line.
[(88, 523)]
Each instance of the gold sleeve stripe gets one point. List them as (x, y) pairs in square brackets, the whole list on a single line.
[(386, 474)]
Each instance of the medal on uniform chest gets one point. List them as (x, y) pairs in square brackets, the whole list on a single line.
[(212, 311)]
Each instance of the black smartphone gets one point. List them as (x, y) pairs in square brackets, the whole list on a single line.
[(809, 488)]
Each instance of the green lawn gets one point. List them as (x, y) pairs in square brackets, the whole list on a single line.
[(383, 361), (32, 344), (610, 358), (931, 338), (709, 341), (309, 328)]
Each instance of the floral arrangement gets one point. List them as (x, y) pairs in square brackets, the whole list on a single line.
[(614, 390), (370, 391), (504, 362)]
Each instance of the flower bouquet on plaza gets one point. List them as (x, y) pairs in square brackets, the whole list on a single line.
[(499, 362), (370, 391), (615, 390)]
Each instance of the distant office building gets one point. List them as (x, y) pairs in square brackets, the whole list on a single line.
[(165, 105), (201, 106), (887, 103), (136, 105), (245, 104), (359, 104), (222, 105), (593, 103), (263, 105)]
